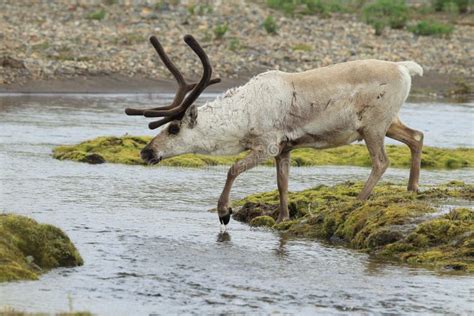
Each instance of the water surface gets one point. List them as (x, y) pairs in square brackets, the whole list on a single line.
[(151, 247)]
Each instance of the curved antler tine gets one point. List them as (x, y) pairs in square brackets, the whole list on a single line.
[(198, 88), (168, 63), (206, 75), (214, 81), (177, 108), (130, 111), (161, 113), (183, 88), (152, 112), (156, 124)]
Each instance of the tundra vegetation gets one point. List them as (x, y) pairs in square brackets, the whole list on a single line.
[(234, 32), (220, 30), (431, 28), (437, 16), (126, 150), (28, 248), (395, 225), (270, 25)]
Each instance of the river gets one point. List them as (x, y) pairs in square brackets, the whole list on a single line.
[(151, 247)]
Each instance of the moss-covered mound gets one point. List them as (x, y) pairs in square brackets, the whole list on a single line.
[(126, 150), (28, 248), (393, 224)]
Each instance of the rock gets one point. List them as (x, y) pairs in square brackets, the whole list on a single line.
[(251, 210), (93, 159), (7, 61), (383, 237)]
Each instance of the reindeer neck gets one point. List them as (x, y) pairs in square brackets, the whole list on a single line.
[(220, 128)]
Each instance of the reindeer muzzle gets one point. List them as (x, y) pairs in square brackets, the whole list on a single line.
[(149, 156)]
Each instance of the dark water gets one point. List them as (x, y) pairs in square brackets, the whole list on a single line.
[(150, 246)]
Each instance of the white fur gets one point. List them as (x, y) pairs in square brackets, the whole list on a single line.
[(331, 104), (413, 68)]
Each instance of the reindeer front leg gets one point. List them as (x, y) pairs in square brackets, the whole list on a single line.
[(375, 144), (255, 157)]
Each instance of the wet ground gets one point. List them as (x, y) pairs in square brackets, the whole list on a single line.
[(151, 247)]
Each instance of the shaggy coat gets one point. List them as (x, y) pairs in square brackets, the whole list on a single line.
[(276, 112)]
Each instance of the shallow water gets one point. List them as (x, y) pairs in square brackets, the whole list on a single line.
[(150, 246)]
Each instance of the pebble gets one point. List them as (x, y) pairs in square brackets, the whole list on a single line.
[(54, 39)]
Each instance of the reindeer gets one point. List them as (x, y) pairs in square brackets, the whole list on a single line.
[(276, 112)]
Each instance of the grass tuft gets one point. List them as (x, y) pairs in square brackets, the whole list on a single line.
[(382, 13), (220, 30), (98, 15), (270, 25), (428, 28)]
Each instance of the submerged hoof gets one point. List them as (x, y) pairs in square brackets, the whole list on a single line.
[(226, 218)]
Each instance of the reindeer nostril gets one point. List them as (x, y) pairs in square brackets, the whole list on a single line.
[(147, 154)]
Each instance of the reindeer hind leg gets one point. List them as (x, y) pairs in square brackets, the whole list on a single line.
[(283, 168), (414, 140)]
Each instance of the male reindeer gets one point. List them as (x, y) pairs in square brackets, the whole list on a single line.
[(276, 112)]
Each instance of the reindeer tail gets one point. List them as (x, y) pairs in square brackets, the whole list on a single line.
[(412, 67)]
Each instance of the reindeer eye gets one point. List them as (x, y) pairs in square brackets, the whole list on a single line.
[(173, 129)]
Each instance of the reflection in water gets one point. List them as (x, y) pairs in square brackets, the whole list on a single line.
[(223, 237), (281, 251), (150, 246)]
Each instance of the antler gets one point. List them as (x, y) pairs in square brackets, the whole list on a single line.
[(176, 110)]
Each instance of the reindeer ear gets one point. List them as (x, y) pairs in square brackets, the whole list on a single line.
[(192, 114)]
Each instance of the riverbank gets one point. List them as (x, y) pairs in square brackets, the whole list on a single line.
[(126, 150), (28, 249), (418, 229), (103, 45), (431, 86)]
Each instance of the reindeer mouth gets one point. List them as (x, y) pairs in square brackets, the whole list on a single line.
[(154, 161)]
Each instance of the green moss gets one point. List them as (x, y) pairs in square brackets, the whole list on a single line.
[(260, 221), (393, 224), (284, 225), (28, 248), (126, 150), (302, 47), (97, 15)]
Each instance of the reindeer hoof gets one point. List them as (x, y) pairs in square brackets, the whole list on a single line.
[(226, 218)]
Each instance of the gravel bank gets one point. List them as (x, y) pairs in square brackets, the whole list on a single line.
[(59, 40)]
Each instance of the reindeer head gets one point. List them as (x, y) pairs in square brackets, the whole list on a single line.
[(181, 114)]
